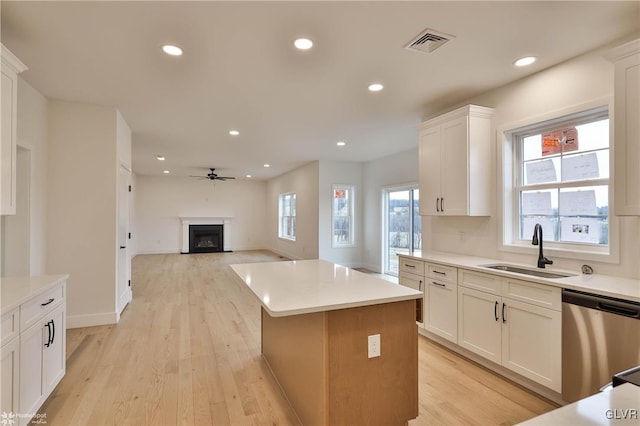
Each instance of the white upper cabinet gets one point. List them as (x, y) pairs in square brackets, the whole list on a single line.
[(455, 163), (11, 67), (626, 128)]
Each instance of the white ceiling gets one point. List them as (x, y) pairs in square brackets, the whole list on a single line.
[(240, 70)]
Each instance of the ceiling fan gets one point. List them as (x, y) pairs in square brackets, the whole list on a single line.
[(212, 175)]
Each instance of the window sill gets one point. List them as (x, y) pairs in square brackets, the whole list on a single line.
[(562, 253), (293, 240)]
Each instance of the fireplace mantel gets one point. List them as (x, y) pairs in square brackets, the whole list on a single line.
[(186, 221)]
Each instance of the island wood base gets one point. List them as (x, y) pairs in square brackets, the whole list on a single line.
[(320, 361)]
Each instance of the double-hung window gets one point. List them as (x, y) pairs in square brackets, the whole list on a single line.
[(287, 216), (561, 181), (343, 209)]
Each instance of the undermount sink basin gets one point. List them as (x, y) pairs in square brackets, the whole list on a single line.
[(533, 272)]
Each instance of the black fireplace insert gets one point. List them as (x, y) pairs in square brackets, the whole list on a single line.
[(206, 238)]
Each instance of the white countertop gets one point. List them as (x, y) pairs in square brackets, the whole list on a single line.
[(617, 406), (306, 286), (16, 290), (623, 288)]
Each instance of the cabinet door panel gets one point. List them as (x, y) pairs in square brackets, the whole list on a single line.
[(53, 365), (478, 329), (31, 344), (531, 342), (454, 182), (10, 367), (442, 309), (429, 171)]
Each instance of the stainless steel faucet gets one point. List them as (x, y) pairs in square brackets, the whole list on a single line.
[(537, 241)]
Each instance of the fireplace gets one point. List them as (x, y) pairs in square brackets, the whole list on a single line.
[(206, 238), (207, 242)]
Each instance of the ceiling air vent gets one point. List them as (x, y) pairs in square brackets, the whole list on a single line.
[(428, 41)]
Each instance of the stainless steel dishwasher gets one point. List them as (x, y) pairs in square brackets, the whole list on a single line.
[(600, 337)]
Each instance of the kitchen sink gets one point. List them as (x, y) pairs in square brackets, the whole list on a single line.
[(525, 271)]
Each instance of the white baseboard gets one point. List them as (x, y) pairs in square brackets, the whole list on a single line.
[(176, 251), (91, 320)]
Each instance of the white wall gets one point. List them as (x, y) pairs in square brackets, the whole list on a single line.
[(394, 170), (160, 201), (579, 81), (329, 174), (82, 215), (304, 182)]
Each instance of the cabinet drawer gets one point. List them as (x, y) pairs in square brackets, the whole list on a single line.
[(33, 309), (412, 266), (442, 273), (10, 327), (536, 294), (411, 280), (479, 281)]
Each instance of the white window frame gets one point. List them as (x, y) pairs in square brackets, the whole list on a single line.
[(282, 198), (508, 200), (385, 223), (350, 240)]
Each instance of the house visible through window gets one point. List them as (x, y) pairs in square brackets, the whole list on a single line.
[(287, 216), (561, 180), (343, 209)]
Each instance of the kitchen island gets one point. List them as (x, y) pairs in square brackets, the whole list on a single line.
[(317, 322)]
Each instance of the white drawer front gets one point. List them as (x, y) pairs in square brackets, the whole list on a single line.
[(412, 266), (479, 281), (10, 327), (411, 280), (442, 273), (536, 294), (33, 309)]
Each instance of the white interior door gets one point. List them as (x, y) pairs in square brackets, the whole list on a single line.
[(124, 259)]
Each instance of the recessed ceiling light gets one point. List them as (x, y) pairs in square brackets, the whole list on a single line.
[(303, 43), (341, 143), (523, 62), (171, 49), (234, 132), (166, 172), (160, 157), (375, 87), (267, 165), (248, 176)]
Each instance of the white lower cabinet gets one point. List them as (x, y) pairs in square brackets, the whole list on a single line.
[(42, 351), (441, 304), (524, 337), (33, 346)]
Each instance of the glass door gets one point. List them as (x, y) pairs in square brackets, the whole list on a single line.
[(403, 225)]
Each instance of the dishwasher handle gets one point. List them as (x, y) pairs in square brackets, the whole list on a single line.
[(602, 303)]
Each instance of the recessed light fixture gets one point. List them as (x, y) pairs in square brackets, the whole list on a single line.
[(166, 172), (523, 62), (267, 165), (160, 157), (248, 176), (375, 87), (172, 49), (341, 143), (234, 132), (303, 44)]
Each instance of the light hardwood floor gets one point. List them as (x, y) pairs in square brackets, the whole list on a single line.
[(187, 351)]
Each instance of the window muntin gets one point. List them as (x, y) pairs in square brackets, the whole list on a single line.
[(562, 180), (343, 232), (287, 216)]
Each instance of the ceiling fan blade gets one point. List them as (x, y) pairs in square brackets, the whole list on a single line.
[(225, 177)]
